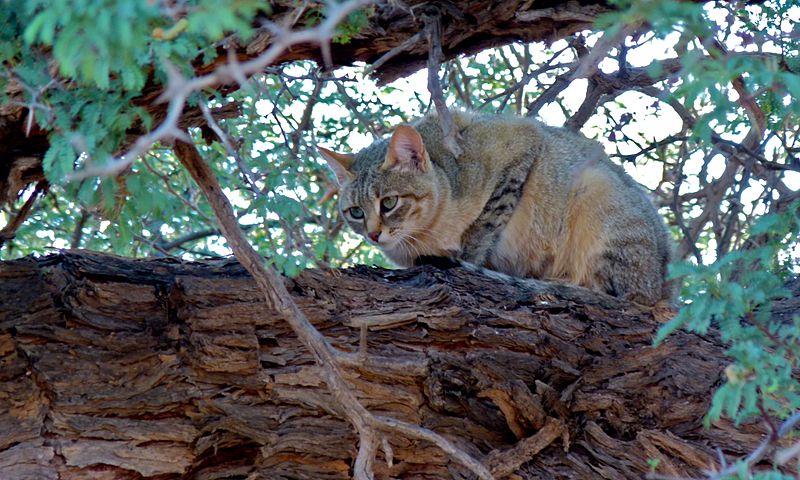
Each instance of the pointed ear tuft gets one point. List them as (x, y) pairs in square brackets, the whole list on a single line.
[(406, 151), (340, 163)]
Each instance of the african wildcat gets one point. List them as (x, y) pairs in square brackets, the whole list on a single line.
[(524, 198)]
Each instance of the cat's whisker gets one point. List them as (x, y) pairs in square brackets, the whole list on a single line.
[(408, 246)]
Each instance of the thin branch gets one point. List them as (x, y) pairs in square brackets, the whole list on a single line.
[(588, 64), (271, 284), (168, 186), (10, 230), (460, 83), (226, 142), (279, 299), (352, 105), (433, 32), (77, 233), (407, 43), (524, 81), (189, 237), (305, 119)]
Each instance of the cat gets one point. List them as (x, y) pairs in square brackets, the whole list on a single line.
[(524, 198)]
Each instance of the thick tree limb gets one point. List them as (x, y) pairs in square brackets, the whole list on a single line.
[(119, 368)]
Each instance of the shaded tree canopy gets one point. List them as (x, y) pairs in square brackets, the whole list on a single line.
[(693, 98)]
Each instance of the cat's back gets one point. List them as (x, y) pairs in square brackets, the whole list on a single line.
[(499, 139), (491, 144)]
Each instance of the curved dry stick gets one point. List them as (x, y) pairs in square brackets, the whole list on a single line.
[(433, 30), (277, 297)]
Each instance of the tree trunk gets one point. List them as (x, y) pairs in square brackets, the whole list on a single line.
[(123, 369)]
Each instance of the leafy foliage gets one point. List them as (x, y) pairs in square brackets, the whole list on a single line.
[(734, 296)]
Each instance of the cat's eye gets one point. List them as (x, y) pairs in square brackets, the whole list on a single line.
[(388, 203), (356, 212)]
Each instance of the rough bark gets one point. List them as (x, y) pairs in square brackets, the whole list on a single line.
[(124, 369)]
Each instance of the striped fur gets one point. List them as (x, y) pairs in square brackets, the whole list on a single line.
[(523, 199)]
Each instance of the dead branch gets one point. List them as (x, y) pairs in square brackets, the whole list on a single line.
[(271, 284), (9, 231), (506, 462), (432, 21)]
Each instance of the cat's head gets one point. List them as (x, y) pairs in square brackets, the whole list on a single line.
[(388, 192)]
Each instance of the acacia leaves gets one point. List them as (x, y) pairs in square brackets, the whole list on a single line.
[(734, 295)]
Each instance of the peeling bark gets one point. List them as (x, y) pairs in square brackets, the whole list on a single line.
[(126, 369)]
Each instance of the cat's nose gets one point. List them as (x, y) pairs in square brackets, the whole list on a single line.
[(374, 236)]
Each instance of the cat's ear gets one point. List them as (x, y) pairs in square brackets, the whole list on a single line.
[(340, 163), (406, 151)]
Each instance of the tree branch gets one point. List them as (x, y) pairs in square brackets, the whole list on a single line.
[(432, 20), (178, 88), (9, 231), (271, 284)]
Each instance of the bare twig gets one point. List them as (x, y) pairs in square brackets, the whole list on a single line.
[(168, 186), (226, 142), (189, 237), (9, 231), (407, 43), (353, 107), (278, 297), (526, 78), (435, 56), (588, 64)]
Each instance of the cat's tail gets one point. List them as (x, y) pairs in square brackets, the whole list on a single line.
[(524, 283), (544, 288), (445, 263)]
